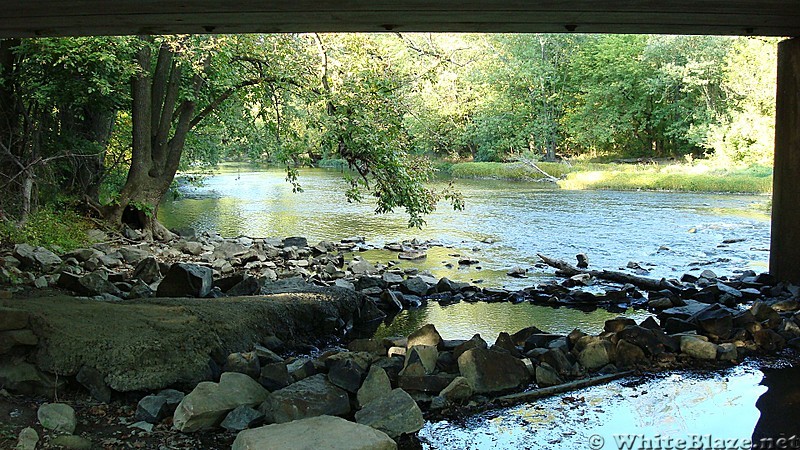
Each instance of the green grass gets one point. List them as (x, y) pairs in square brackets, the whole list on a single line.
[(59, 231), (696, 177)]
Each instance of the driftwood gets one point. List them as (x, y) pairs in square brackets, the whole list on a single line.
[(533, 165), (649, 284), (522, 397)]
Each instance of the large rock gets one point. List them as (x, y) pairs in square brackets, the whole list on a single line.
[(241, 418), (698, 348), (547, 376), (246, 363), (415, 286), (395, 414), (420, 360), (36, 257), (458, 390), (57, 417), (148, 270), (331, 433), (309, 397), (489, 371), (427, 335), (208, 404), (716, 320), (94, 382), (27, 440), (628, 354), (376, 385), (595, 354), (95, 283), (186, 280), (13, 319), (14, 338), (151, 409)]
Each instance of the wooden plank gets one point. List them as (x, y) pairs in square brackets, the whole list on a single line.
[(522, 397), (784, 262)]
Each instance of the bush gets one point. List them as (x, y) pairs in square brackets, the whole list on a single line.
[(59, 231)]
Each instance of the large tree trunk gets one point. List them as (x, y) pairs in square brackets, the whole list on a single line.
[(160, 126)]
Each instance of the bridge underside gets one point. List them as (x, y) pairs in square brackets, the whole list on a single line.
[(30, 18)]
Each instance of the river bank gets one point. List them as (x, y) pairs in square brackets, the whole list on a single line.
[(703, 321), (676, 177)]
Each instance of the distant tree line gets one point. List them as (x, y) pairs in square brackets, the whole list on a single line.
[(106, 122)]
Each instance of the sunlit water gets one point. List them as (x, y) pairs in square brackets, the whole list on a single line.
[(668, 233)]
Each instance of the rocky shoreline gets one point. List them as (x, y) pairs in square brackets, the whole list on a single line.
[(380, 389)]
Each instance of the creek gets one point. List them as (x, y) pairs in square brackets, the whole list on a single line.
[(503, 226)]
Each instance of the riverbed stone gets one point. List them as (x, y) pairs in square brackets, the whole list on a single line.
[(475, 341), (310, 397), (457, 391), (147, 270), (13, 319), (427, 335), (595, 353), (333, 433), (275, 376), (415, 286), (768, 340), (71, 442), (728, 352), (347, 374), (186, 280), (95, 383), (14, 338), (618, 324), (151, 409), (765, 314), (715, 320), (376, 385), (420, 360), (394, 414), (698, 348), (242, 417), (57, 417), (27, 439), (209, 402), (489, 371), (92, 284), (246, 363), (628, 354), (547, 376), (36, 257), (556, 359)]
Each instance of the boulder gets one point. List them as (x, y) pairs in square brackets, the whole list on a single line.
[(151, 409), (133, 255), (716, 320), (595, 354), (427, 335), (347, 374), (207, 405), (377, 384), (295, 241), (475, 341), (628, 354), (248, 286), (241, 418), (698, 348), (457, 391), (57, 417), (547, 376), (71, 442), (90, 285), (310, 397), (331, 433), (420, 360), (275, 376), (425, 383), (13, 319), (186, 280), (489, 371), (32, 257), (557, 360), (414, 286), (768, 340), (148, 270), (14, 338), (27, 439), (394, 414), (618, 324), (246, 363)]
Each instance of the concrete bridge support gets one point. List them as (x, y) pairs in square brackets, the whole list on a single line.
[(784, 260)]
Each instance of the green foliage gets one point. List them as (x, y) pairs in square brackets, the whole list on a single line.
[(60, 230)]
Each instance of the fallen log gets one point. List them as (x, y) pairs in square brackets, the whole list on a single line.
[(649, 284), (522, 397)]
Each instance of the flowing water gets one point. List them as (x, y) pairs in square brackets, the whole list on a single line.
[(504, 225)]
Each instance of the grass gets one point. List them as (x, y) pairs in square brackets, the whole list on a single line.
[(59, 231), (696, 177)]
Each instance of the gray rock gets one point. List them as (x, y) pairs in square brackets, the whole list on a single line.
[(275, 376), (229, 250), (14, 338), (698, 348), (475, 341), (173, 398), (248, 286), (557, 360), (36, 257), (147, 270), (331, 433), (628, 354), (457, 391), (298, 242), (377, 384), (310, 397), (728, 352), (191, 247), (133, 255), (301, 368), (246, 363), (427, 335), (242, 418), (13, 319), (347, 374), (415, 286), (71, 442), (547, 376), (394, 414), (25, 378), (489, 371), (186, 280), (27, 439), (596, 353), (151, 409), (92, 284), (57, 417), (361, 267), (94, 382), (209, 403), (420, 360)]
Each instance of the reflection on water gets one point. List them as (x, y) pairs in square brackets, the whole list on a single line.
[(462, 320), (677, 405), (673, 231)]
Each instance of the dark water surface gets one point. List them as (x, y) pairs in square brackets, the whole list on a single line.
[(667, 233)]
